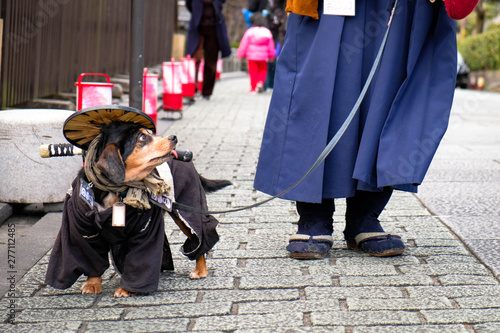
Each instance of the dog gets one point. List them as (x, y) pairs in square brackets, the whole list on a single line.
[(120, 161)]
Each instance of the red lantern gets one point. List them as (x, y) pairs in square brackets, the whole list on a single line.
[(172, 85), (93, 93), (188, 76), (150, 94)]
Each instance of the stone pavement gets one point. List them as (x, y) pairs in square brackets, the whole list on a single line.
[(438, 285)]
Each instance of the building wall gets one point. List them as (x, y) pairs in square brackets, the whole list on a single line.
[(47, 44)]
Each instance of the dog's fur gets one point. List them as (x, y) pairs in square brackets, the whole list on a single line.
[(129, 152)]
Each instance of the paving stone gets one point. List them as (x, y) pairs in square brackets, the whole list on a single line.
[(479, 302), (140, 326), (179, 310), (235, 322), (355, 292), (288, 306), (365, 318), (42, 315), (53, 327), (452, 279), (412, 329), (436, 251), (250, 282), (487, 328), (357, 304), (49, 302), (355, 270), (398, 280), (299, 329), (465, 316), (157, 298), (454, 291), (445, 269), (238, 296), (184, 283)]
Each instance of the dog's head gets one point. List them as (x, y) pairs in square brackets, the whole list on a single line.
[(129, 152)]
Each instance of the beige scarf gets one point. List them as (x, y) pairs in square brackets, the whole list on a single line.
[(137, 192)]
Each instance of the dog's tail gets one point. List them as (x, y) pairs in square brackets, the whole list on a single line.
[(212, 185)]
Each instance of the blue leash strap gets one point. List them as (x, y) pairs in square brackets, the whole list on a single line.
[(333, 142)]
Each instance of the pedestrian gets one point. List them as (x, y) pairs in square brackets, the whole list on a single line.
[(254, 6), (207, 36), (257, 46), (277, 24), (390, 143)]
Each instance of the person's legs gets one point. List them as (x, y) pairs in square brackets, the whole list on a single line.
[(198, 56), (211, 48), (261, 75), (363, 230), (314, 236), (253, 74)]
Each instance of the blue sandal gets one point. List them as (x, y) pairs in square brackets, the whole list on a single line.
[(378, 244), (307, 247)]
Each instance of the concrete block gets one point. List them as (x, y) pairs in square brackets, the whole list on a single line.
[(26, 177)]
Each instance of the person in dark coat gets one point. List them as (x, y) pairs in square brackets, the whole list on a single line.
[(207, 36), (390, 143)]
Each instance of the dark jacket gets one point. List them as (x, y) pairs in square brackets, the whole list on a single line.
[(196, 9)]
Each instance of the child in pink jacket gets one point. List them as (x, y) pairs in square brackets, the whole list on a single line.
[(257, 46)]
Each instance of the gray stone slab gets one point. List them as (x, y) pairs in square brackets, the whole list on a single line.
[(464, 316), (452, 279), (238, 296), (487, 328), (179, 310), (365, 318), (158, 298), (48, 179), (412, 329), (288, 306), (357, 304), (332, 293), (235, 322), (445, 269), (479, 302), (272, 282), (51, 315), (140, 326), (53, 327), (398, 280), (454, 291)]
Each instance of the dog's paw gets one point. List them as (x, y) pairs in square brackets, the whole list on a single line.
[(120, 292), (92, 285), (198, 274)]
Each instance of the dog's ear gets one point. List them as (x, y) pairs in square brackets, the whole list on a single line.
[(111, 164)]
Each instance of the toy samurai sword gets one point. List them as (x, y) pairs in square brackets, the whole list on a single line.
[(67, 149)]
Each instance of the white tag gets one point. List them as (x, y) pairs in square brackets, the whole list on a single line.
[(339, 7), (118, 218)]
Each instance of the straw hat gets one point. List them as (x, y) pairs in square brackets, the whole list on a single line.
[(83, 126)]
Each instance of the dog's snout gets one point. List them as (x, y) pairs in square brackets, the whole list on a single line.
[(173, 138)]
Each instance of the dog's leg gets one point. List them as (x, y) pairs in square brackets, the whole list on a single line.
[(92, 285), (200, 270), (120, 292)]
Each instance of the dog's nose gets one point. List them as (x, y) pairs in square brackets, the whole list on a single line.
[(173, 138)]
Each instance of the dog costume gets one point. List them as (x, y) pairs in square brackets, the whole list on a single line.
[(140, 250)]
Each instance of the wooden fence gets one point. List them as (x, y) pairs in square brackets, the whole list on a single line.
[(47, 44)]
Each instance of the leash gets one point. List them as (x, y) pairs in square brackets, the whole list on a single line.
[(333, 142)]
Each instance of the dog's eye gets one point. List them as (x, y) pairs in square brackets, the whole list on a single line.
[(143, 137)]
